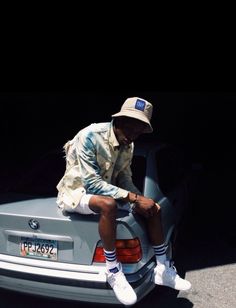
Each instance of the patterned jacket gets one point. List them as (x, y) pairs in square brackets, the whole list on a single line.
[(95, 164)]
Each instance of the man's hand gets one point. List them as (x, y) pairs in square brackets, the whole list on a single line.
[(146, 206)]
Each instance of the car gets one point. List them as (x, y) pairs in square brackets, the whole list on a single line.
[(45, 251)]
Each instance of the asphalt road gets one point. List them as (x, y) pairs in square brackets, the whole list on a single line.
[(205, 255)]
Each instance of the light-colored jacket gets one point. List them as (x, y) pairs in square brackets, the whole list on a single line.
[(95, 164)]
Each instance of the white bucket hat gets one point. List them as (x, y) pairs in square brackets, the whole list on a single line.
[(137, 108)]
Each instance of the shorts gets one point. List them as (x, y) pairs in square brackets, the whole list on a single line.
[(83, 206)]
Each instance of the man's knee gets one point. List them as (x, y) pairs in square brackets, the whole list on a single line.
[(154, 211), (108, 206)]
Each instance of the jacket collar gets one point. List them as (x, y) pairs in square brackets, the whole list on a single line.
[(112, 137)]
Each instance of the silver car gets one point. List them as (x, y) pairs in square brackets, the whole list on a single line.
[(44, 251)]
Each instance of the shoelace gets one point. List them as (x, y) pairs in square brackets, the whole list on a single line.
[(120, 280), (172, 269), (171, 265)]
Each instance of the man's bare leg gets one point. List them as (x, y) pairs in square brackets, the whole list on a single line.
[(107, 208)]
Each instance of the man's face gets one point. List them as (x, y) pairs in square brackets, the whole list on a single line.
[(128, 130)]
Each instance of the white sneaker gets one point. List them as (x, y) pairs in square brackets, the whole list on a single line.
[(166, 275), (123, 290)]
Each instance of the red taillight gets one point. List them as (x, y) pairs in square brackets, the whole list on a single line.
[(128, 251)]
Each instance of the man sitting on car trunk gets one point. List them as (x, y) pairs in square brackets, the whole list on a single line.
[(98, 180)]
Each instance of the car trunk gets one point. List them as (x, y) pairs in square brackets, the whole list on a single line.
[(58, 237)]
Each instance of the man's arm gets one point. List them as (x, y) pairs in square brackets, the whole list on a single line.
[(125, 181), (142, 204), (90, 170)]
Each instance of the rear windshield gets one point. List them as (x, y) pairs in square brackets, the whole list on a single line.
[(138, 168)]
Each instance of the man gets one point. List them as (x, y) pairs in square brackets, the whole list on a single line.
[(98, 179)]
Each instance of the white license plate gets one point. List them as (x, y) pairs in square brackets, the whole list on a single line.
[(40, 248)]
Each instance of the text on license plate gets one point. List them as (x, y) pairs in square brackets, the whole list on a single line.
[(40, 248)]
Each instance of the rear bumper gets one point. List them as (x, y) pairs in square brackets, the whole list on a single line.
[(67, 281)]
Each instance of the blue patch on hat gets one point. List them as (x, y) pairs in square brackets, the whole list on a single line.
[(140, 104)]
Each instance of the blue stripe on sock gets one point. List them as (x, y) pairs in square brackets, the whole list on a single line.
[(160, 254), (160, 249), (159, 246), (110, 259), (110, 255)]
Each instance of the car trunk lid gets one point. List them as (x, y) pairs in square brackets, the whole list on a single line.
[(38, 229)]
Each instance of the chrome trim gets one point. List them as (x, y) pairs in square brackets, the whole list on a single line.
[(43, 236), (53, 269)]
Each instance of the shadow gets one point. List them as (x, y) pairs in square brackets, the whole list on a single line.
[(161, 297), (207, 235), (164, 297)]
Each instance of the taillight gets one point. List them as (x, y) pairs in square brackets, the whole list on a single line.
[(128, 251)]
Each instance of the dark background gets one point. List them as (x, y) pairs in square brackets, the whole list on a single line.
[(202, 123), (33, 123)]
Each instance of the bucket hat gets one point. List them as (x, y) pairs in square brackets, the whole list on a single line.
[(137, 108)]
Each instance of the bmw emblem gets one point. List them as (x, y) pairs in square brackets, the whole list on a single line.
[(34, 224)]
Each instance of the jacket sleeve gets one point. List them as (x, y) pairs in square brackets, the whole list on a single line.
[(125, 181), (90, 170)]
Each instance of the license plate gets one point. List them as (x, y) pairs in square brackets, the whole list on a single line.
[(39, 248)]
